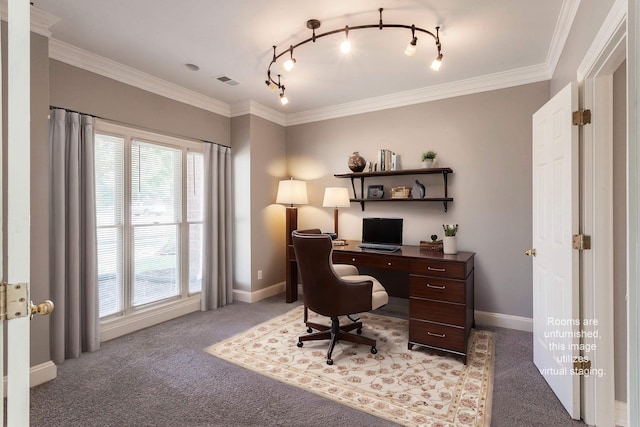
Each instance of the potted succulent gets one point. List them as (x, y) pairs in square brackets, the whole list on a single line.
[(449, 244), (427, 158)]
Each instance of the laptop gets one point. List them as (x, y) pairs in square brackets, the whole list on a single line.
[(381, 234)]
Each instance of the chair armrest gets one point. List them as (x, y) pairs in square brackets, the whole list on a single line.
[(356, 296)]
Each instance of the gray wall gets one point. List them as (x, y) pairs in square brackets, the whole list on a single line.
[(40, 178), (588, 20), (485, 138), (242, 195), (268, 167), (91, 93), (620, 229), (258, 165)]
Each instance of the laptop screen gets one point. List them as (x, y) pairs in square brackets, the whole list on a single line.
[(387, 231)]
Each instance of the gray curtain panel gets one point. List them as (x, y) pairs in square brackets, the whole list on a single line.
[(217, 279), (75, 320)]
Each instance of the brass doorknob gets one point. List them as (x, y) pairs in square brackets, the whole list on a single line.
[(43, 308), (530, 252)]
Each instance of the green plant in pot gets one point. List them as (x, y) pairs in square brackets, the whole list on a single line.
[(428, 158), (449, 243), (450, 229)]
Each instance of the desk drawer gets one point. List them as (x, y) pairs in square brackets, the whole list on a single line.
[(435, 288), (441, 336), (436, 311), (451, 270), (384, 261)]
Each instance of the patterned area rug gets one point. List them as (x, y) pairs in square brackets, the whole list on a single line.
[(418, 387)]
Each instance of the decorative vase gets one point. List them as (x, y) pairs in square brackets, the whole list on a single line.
[(418, 190), (426, 163), (357, 162), (449, 245)]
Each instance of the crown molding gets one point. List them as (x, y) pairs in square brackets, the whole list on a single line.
[(568, 13), (495, 81), (257, 109), (86, 60), (77, 57), (41, 21)]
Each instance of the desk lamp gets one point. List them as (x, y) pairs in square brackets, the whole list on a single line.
[(336, 197)]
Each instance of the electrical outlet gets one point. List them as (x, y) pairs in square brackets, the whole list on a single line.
[(259, 274)]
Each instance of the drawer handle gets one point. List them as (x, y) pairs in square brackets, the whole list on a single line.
[(436, 335), (353, 260), (435, 269), (429, 285), (388, 263)]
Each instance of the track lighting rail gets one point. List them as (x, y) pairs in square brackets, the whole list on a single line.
[(314, 24)]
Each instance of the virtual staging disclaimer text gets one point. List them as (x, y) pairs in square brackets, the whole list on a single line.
[(564, 339)]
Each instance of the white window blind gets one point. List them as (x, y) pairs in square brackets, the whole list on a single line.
[(109, 170), (149, 215), (195, 178), (156, 199)]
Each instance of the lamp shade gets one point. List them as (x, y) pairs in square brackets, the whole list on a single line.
[(292, 192), (336, 197)]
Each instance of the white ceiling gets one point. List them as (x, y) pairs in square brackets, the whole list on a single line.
[(484, 42)]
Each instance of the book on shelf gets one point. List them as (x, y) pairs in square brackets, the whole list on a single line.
[(387, 160)]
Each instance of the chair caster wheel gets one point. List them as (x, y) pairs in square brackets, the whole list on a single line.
[(374, 350), (329, 362), (309, 330), (359, 331), (299, 344)]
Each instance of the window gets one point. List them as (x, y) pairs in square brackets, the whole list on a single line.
[(149, 219)]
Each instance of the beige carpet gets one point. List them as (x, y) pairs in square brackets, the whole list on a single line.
[(413, 388)]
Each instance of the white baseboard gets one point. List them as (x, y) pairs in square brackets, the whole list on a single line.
[(38, 374), (621, 414), (260, 294), (115, 328), (504, 321)]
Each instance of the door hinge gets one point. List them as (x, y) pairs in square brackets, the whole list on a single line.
[(581, 364), (581, 117), (581, 242), (14, 301)]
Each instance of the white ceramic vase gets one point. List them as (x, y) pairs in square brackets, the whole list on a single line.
[(449, 245), (427, 163)]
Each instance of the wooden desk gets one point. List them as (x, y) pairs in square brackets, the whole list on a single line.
[(441, 291)]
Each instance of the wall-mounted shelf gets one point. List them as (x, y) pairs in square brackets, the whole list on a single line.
[(427, 171)]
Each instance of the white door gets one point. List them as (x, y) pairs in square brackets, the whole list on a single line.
[(556, 317), (18, 144)]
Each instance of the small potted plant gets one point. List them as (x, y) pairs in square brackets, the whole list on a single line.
[(427, 158), (449, 244)]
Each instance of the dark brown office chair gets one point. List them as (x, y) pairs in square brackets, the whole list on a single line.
[(327, 294)]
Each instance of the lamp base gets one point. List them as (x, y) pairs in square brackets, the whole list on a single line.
[(291, 291)]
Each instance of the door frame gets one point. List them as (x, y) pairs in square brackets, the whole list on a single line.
[(18, 206), (633, 221), (595, 76)]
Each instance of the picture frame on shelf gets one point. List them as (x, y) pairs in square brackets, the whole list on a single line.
[(375, 191)]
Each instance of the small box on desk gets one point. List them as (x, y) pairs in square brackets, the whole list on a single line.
[(434, 246)]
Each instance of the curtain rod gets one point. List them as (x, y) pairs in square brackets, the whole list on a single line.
[(68, 110)]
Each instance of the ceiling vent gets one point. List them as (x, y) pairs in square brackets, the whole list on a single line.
[(228, 81)]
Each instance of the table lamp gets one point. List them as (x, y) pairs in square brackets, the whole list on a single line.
[(336, 197)]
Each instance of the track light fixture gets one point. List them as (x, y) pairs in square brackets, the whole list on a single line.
[(345, 47), (411, 47), (291, 62), (283, 98)]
